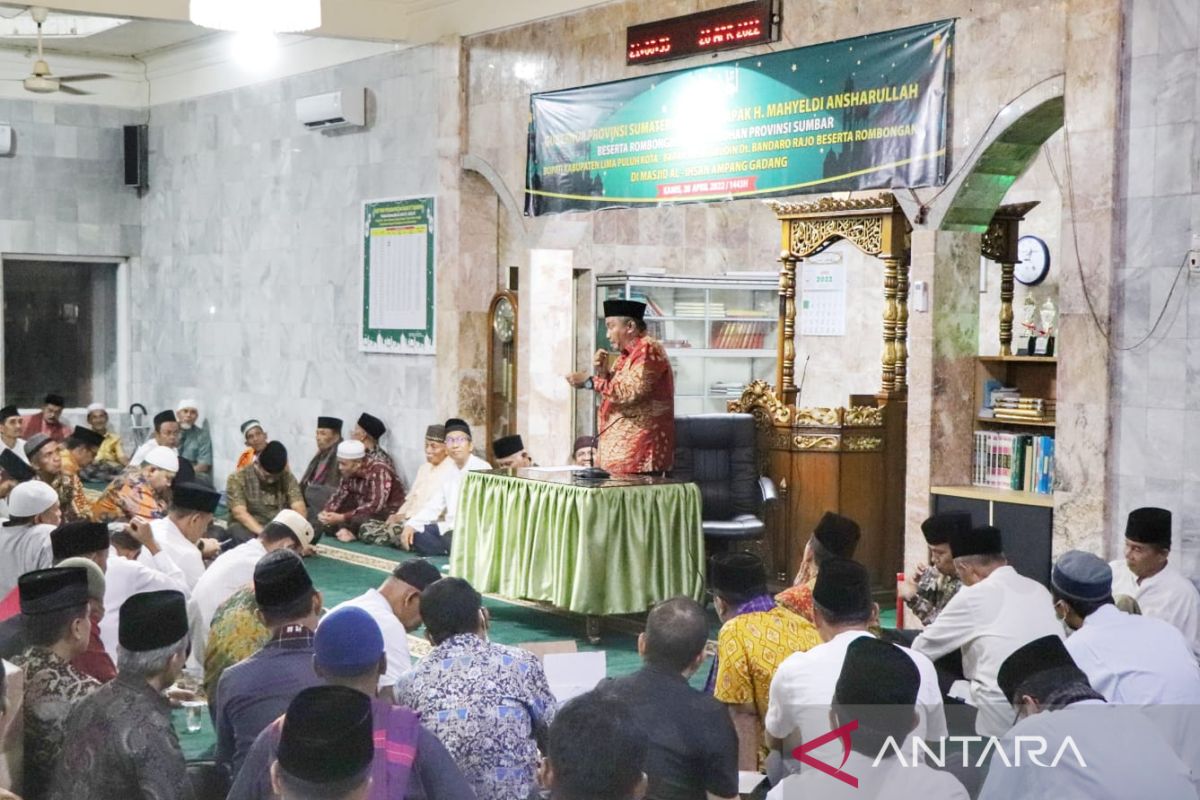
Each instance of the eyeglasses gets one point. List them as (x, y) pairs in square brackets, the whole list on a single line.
[(457, 439)]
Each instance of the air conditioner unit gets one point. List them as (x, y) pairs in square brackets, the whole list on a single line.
[(345, 108)]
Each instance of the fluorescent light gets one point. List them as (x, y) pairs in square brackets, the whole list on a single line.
[(257, 16)]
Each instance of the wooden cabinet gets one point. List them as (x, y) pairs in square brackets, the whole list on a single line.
[(1025, 520)]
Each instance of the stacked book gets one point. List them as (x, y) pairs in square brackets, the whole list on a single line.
[(740, 335), (727, 389), (1020, 461), (698, 308), (1012, 407)]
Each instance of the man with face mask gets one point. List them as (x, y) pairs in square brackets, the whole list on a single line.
[(195, 443), (637, 412)]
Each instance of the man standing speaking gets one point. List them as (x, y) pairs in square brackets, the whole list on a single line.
[(637, 414)]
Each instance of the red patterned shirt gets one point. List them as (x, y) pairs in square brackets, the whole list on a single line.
[(374, 493), (637, 415)]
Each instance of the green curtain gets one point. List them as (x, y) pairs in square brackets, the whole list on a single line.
[(588, 550)]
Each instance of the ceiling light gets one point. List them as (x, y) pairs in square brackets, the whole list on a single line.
[(257, 16)]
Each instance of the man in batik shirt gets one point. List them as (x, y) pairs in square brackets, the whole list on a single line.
[(930, 587), (637, 414)]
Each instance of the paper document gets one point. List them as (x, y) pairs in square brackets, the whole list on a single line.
[(573, 674)]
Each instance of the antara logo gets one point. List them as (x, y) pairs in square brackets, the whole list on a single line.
[(842, 733)]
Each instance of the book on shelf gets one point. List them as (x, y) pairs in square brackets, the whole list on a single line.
[(1020, 461), (653, 308), (740, 335)]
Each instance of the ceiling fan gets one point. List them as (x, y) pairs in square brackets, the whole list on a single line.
[(41, 80)]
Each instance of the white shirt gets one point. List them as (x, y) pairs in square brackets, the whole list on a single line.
[(891, 780), (802, 691), (125, 578), (444, 500), (1134, 659), (1123, 755), (231, 571), (988, 621), (23, 548), (395, 637), (184, 553), (18, 449), (1168, 596)]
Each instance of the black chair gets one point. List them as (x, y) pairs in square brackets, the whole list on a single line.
[(718, 452)]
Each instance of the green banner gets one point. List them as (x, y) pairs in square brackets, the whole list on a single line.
[(398, 276), (862, 113)]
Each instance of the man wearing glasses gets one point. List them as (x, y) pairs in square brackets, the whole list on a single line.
[(431, 529)]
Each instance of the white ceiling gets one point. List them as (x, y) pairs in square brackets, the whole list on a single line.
[(136, 38)]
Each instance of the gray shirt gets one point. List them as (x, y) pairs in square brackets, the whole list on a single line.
[(23, 548)]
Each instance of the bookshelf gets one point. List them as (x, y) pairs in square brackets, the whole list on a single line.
[(719, 332)]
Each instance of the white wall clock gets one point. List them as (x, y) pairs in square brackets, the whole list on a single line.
[(1034, 261)]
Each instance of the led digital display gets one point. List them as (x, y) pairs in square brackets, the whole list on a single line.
[(720, 29)]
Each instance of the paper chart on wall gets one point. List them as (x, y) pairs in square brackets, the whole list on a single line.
[(823, 299), (398, 276)]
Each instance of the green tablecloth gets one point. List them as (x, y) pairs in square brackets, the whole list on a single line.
[(609, 550)]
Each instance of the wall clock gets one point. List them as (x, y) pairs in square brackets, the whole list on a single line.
[(1034, 261), (502, 367)]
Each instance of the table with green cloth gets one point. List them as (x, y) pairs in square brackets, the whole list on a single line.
[(616, 546)]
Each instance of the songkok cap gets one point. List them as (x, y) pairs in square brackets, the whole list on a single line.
[(348, 642), (837, 534), (327, 736), (624, 308), (455, 424), (164, 458), (273, 458), (330, 423), (1146, 525), (55, 400), (87, 436), (373, 426), (877, 673), (95, 576), (507, 446), (940, 527), (301, 529), (96, 407), (78, 539), (195, 497), (186, 473), (984, 540), (417, 573), (35, 443), (31, 498), (736, 574), (1047, 654), (351, 450), (163, 416), (250, 423), (1082, 576), (187, 402), (8, 412), (843, 587), (280, 578), (152, 620), (582, 442), (435, 433), (14, 467), (53, 589)]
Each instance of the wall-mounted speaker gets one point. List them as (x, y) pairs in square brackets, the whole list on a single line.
[(137, 154)]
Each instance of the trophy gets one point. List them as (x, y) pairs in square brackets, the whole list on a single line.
[(1029, 328), (1043, 343)]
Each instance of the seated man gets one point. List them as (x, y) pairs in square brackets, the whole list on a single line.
[(45, 457), (252, 694), (369, 490), (126, 576), (120, 742), (692, 748), (430, 531), (754, 640), (321, 477), (95, 661), (877, 690), (369, 430), (166, 434), (143, 492), (430, 475), (350, 652), (510, 453), (25, 535), (583, 454), (54, 617), (256, 439), (11, 426), (234, 570), (181, 533), (110, 458), (596, 752), (326, 747), (396, 608), (49, 420), (1147, 575), (79, 450), (927, 591), (260, 490), (488, 703), (834, 536), (195, 443)]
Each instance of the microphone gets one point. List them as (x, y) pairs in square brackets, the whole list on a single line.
[(592, 472), (803, 375)]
